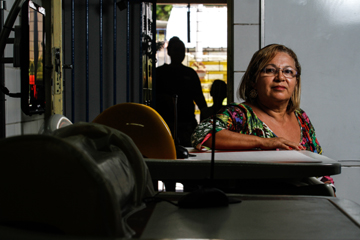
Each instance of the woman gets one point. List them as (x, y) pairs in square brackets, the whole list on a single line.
[(270, 117)]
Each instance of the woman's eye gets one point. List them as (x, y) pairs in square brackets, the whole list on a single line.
[(289, 71), (269, 70)]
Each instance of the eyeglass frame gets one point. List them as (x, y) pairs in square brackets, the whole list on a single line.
[(278, 71)]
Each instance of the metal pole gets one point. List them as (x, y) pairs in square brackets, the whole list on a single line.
[(101, 57), (114, 52), (2, 76), (142, 31), (87, 60), (188, 24), (153, 56), (73, 60), (128, 53)]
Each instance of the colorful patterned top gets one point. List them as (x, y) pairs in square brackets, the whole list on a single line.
[(242, 119)]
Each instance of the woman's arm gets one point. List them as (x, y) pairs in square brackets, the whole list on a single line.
[(226, 139)]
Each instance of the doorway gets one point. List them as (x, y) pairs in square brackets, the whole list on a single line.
[(204, 36)]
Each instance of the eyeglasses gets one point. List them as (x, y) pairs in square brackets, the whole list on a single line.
[(270, 71)]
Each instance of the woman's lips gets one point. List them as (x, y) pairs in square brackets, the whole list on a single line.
[(279, 88)]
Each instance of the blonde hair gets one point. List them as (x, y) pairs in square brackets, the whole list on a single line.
[(259, 60)]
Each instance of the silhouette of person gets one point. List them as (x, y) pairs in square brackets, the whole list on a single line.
[(176, 79), (218, 92)]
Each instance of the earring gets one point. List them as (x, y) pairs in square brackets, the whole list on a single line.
[(253, 93)]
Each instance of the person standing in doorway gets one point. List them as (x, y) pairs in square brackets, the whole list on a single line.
[(175, 79), (218, 92)]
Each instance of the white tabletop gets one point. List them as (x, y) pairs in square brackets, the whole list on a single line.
[(245, 165), (261, 156)]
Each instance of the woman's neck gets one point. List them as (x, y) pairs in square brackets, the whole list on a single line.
[(275, 111)]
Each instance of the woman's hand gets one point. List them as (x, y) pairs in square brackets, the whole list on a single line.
[(280, 143)]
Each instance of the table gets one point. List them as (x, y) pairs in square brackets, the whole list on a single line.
[(256, 217), (245, 165), (255, 172)]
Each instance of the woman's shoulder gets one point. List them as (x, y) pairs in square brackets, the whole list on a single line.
[(235, 110), (238, 107), (299, 110), (245, 106), (301, 114)]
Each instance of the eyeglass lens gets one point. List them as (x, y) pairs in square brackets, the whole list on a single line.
[(272, 71)]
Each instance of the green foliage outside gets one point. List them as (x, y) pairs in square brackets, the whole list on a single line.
[(163, 12)]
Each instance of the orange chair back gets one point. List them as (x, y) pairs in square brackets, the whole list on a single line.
[(144, 126)]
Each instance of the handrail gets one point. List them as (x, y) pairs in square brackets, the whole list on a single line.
[(9, 23)]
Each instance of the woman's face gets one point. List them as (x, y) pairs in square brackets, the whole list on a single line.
[(276, 87)]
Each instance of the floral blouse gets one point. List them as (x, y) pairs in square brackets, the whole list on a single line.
[(242, 119)]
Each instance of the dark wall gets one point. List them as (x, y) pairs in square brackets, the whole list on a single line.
[(76, 105)]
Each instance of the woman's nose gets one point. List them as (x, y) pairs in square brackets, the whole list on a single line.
[(280, 75)]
